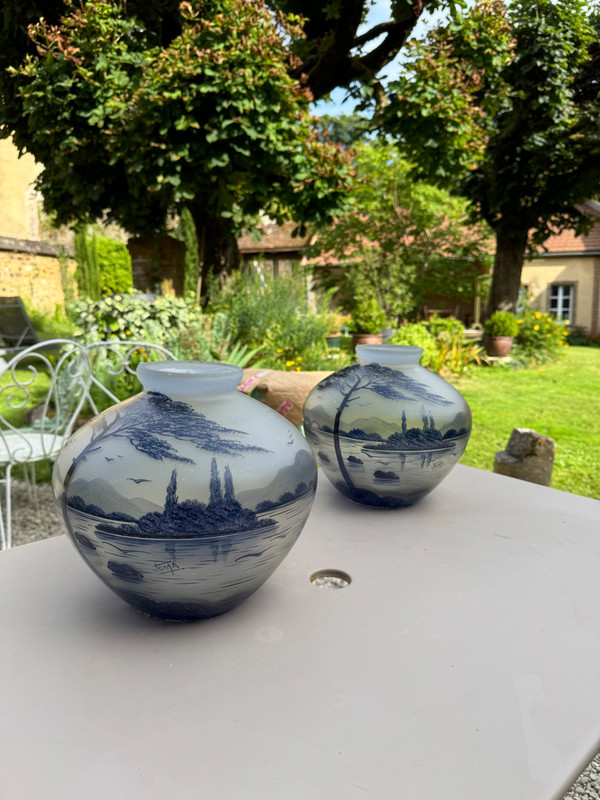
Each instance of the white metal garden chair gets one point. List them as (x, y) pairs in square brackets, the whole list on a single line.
[(114, 360), (42, 391)]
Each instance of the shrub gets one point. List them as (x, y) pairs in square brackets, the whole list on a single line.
[(123, 317), (445, 352), (418, 335), (579, 337), (540, 337), (367, 317), (272, 314), (445, 325), (501, 323), (56, 325), (87, 273), (114, 263)]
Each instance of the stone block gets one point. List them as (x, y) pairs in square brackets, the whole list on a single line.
[(529, 456)]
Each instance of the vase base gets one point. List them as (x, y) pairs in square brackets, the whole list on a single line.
[(364, 497), (180, 611)]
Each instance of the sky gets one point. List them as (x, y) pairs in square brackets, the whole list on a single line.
[(380, 12)]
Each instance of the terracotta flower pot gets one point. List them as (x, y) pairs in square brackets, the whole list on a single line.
[(498, 346)]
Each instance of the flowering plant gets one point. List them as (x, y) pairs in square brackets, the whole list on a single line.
[(540, 337)]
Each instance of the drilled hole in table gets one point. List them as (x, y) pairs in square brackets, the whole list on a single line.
[(330, 579)]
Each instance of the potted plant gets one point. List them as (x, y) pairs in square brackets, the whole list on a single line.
[(366, 321), (337, 322), (500, 330)]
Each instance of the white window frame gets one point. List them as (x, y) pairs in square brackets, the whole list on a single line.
[(561, 301)]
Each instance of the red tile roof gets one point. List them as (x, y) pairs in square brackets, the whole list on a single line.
[(567, 242), (275, 238)]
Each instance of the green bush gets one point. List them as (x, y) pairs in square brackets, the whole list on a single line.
[(446, 352), (501, 323), (367, 317), (445, 325), (579, 337), (273, 315), (123, 317), (87, 273), (114, 262), (418, 335), (540, 337), (56, 325)]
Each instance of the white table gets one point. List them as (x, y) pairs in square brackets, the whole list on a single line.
[(463, 661)]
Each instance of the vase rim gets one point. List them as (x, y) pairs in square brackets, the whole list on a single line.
[(399, 354), (188, 377)]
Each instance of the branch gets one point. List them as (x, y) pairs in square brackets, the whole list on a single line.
[(328, 59), (378, 30)]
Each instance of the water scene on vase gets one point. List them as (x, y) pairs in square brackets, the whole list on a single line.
[(155, 510), (389, 440)]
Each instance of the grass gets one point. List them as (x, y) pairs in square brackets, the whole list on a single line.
[(560, 399)]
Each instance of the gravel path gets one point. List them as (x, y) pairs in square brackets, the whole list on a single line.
[(27, 524), (29, 527)]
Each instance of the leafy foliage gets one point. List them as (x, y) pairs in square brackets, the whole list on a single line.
[(403, 238), (274, 315), (187, 233), (444, 347), (367, 316), (132, 127), (123, 317), (114, 262), (418, 334), (501, 105), (330, 50), (87, 273), (501, 323), (539, 337)]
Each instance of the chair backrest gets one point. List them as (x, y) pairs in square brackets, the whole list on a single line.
[(16, 330), (42, 391), (113, 365)]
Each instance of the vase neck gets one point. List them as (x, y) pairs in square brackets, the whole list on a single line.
[(392, 355), (188, 378)]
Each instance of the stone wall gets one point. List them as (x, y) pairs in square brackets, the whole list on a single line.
[(31, 270)]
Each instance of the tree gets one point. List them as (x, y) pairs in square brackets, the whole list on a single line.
[(131, 127), (403, 238), (501, 106), (330, 50), (140, 108), (344, 129)]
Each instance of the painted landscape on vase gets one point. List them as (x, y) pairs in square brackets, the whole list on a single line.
[(398, 454), (166, 550)]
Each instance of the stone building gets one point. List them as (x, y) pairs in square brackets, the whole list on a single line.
[(565, 280), (29, 268)]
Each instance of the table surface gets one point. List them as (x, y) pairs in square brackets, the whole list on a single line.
[(462, 661)]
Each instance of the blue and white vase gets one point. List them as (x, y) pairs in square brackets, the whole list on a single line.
[(386, 431), (186, 497)]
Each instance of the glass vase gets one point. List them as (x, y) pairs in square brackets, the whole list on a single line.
[(186, 497), (386, 431)]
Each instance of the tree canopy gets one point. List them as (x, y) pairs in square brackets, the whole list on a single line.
[(133, 130), (501, 105), (403, 238), (139, 109)]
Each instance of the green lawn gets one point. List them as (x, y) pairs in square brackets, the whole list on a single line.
[(560, 400)]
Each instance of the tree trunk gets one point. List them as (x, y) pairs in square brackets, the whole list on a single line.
[(217, 247), (508, 265)]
